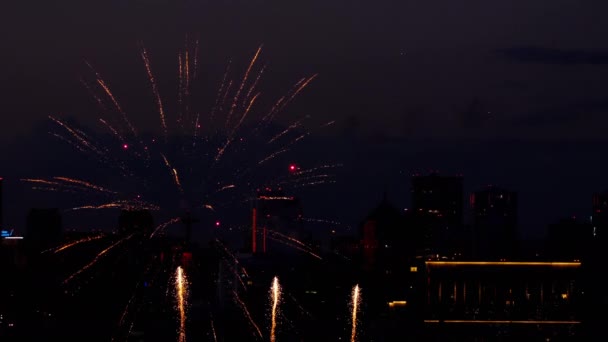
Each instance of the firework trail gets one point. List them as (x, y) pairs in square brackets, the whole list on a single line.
[(164, 225), (232, 256), (295, 301), (285, 100), (97, 258), (100, 81), (121, 204), (181, 298), (73, 243), (275, 298), (86, 184), (247, 314), (174, 174), (243, 82), (134, 295), (68, 184), (79, 137), (355, 302), (212, 325), (293, 243), (287, 130), (159, 102)]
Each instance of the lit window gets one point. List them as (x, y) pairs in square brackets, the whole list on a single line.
[(413, 269)]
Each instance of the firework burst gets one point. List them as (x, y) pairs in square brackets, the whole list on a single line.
[(209, 158), (201, 157)]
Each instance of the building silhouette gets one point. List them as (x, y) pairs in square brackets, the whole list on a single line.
[(599, 217), (276, 218), (43, 228), (494, 223), (437, 204), (569, 239), (135, 221), (1, 205), (385, 239)]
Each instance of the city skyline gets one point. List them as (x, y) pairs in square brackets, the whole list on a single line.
[(399, 196), (272, 171)]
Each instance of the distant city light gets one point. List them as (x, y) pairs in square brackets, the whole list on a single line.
[(125, 146), (217, 223), (293, 167)]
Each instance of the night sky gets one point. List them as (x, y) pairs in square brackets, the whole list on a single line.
[(506, 93)]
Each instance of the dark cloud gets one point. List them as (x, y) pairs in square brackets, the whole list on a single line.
[(544, 55), (475, 115), (570, 114)]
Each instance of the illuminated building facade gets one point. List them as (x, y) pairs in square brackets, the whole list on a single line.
[(437, 203), (494, 223), (502, 291), (276, 219)]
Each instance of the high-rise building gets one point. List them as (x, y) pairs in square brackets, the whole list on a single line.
[(600, 213), (437, 204), (494, 222), (569, 239), (386, 238), (1, 208), (43, 228), (276, 219)]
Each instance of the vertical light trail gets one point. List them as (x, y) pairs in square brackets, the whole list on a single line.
[(159, 103), (355, 309), (275, 294), (245, 77), (181, 297)]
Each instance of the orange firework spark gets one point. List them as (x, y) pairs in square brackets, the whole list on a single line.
[(275, 298), (296, 246), (97, 258), (110, 95), (181, 298), (355, 302), (164, 225), (85, 184), (245, 76), (73, 243), (121, 204), (173, 173), (247, 313), (159, 102)]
